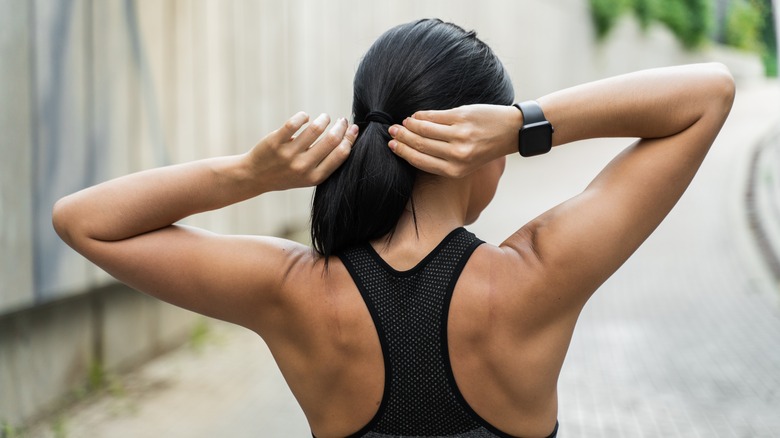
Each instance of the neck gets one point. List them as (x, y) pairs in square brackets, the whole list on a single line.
[(440, 206)]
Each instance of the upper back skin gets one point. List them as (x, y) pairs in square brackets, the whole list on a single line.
[(506, 348)]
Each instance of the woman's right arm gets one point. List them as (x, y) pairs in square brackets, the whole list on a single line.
[(676, 112)]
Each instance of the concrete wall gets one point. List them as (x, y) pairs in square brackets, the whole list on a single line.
[(47, 353), (93, 89), (16, 282)]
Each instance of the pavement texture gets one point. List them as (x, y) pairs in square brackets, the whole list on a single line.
[(683, 341)]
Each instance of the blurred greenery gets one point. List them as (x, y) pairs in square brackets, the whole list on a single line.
[(59, 428), (97, 377), (8, 431), (743, 25), (200, 334), (749, 24), (646, 11), (690, 20), (768, 36), (605, 14)]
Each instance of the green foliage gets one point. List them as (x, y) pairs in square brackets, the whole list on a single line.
[(768, 36), (743, 25), (750, 26), (200, 334), (674, 14), (58, 428), (770, 64), (689, 20), (646, 11), (605, 14), (97, 377), (8, 431)]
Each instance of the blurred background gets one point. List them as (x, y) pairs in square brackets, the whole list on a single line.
[(94, 89)]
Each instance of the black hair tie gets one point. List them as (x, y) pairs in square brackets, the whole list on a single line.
[(379, 117)]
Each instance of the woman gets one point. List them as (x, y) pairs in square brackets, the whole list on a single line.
[(402, 323)]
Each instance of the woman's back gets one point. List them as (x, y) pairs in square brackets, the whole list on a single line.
[(504, 354)]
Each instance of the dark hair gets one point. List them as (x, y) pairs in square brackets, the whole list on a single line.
[(423, 65)]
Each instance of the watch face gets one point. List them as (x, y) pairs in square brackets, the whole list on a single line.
[(536, 139)]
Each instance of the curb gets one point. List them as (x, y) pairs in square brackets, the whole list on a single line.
[(762, 199)]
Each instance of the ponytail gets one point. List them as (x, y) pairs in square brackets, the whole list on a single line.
[(364, 198), (423, 65)]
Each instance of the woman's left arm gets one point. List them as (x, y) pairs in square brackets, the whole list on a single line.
[(125, 225)]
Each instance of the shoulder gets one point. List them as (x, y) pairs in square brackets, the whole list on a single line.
[(510, 264), (511, 282), (308, 292)]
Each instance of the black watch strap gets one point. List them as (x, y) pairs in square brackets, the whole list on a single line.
[(532, 112), (535, 137)]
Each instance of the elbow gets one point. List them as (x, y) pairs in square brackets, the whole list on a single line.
[(62, 221), (722, 89)]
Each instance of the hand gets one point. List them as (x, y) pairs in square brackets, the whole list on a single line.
[(283, 160), (456, 142)]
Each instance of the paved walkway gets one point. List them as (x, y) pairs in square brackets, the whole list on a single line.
[(683, 341)]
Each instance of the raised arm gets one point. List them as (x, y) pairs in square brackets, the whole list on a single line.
[(125, 225), (677, 112), (647, 104)]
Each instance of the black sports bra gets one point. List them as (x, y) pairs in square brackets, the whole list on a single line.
[(410, 309)]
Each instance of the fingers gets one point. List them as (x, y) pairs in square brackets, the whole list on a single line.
[(424, 162), (420, 143), (290, 127), (445, 156), (442, 117), (428, 129), (306, 139), (327, 142), (338, 154), (420, 152)]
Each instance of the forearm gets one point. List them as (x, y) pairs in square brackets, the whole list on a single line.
[(647, 104), (146, 201), (153, 199)]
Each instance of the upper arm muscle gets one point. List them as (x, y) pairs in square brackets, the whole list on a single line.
[(584, 240), (233, 278)]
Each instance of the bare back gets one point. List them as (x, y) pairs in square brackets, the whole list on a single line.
[(506, 341)]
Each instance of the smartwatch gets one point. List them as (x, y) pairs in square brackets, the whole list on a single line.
[(535, 137)]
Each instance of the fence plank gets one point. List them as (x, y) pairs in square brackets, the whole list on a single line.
[(61, 151), (16, 268)]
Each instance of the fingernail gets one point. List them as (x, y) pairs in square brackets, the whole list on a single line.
[(392, 145), (321, 120), (393, 130), (353, 130), (336, 126), (300, 117)]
